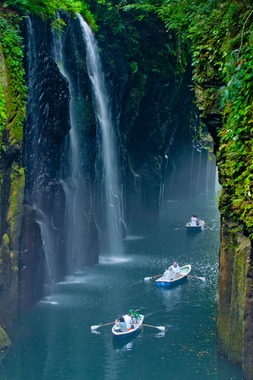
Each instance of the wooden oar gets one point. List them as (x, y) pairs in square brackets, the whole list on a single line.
[(104, 324), (162, 328), (149, 278), (200, 278)]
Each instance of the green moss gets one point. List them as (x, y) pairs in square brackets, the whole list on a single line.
[(5, 341), (15, 202), (2, 98), (6, 240), (235, 250), (249, 373), (13, 91)]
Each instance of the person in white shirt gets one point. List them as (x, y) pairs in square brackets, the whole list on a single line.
[(172, 272), (128, 321), (175, 270), (194, 220)]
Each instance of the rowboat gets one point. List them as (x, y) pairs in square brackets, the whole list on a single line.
[(167, 281), (135, 328), (195, 227)]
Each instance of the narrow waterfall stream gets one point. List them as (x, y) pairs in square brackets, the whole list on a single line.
[(74, 183), (111, 239)]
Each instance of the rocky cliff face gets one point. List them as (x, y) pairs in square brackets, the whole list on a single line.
[(235, 283), (12, 110), (235, 307)]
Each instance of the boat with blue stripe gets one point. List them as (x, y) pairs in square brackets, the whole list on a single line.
[(167, 280)]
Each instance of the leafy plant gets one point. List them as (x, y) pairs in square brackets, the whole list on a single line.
[(45, 8), (12, 85)]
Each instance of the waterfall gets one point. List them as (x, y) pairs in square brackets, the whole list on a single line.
[(74, 181), (111, 239), (43, 139)]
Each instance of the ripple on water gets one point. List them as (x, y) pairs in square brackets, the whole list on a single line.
[(66, 301)]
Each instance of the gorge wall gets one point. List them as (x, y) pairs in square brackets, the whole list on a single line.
[(235, 281)]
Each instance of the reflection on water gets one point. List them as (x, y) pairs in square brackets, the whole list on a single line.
[(125, 344), (171, 296)]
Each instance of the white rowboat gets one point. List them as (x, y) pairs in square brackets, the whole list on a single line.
[(135, 328)]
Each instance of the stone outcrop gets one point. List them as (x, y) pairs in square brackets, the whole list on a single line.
[(235, 309)]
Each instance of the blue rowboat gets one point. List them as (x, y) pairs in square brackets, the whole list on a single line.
[(166, 281), (129, 333)]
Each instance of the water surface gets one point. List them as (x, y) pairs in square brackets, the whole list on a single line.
[(54, 340)]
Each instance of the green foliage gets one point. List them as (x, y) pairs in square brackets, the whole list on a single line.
[(134, 67), (12, 85), (2, 107), (4, 339), (15, 209), (141, 38), (45, 8)]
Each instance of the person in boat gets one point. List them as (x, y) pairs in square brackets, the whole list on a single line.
[(135, 316), (128, 320), (174, 270), (124, 323), (120, 324), (194, 220)]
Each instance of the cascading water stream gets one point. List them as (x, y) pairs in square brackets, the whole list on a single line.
[(74, 183), (112, 243)]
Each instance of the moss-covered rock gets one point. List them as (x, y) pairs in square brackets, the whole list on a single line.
[(5, 341), (235, 307), (234, 253), (12, 114)]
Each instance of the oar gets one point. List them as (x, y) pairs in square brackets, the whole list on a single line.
[(104, 324), (149, 278), (162, 328), (200, 278)]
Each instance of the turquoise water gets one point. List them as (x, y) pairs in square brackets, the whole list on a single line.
[(54, 339)]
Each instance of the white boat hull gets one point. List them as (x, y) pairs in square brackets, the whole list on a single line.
[(195, 227), (131, 332)]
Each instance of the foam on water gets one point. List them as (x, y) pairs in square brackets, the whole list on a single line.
[(133, 237), (113, 260)]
